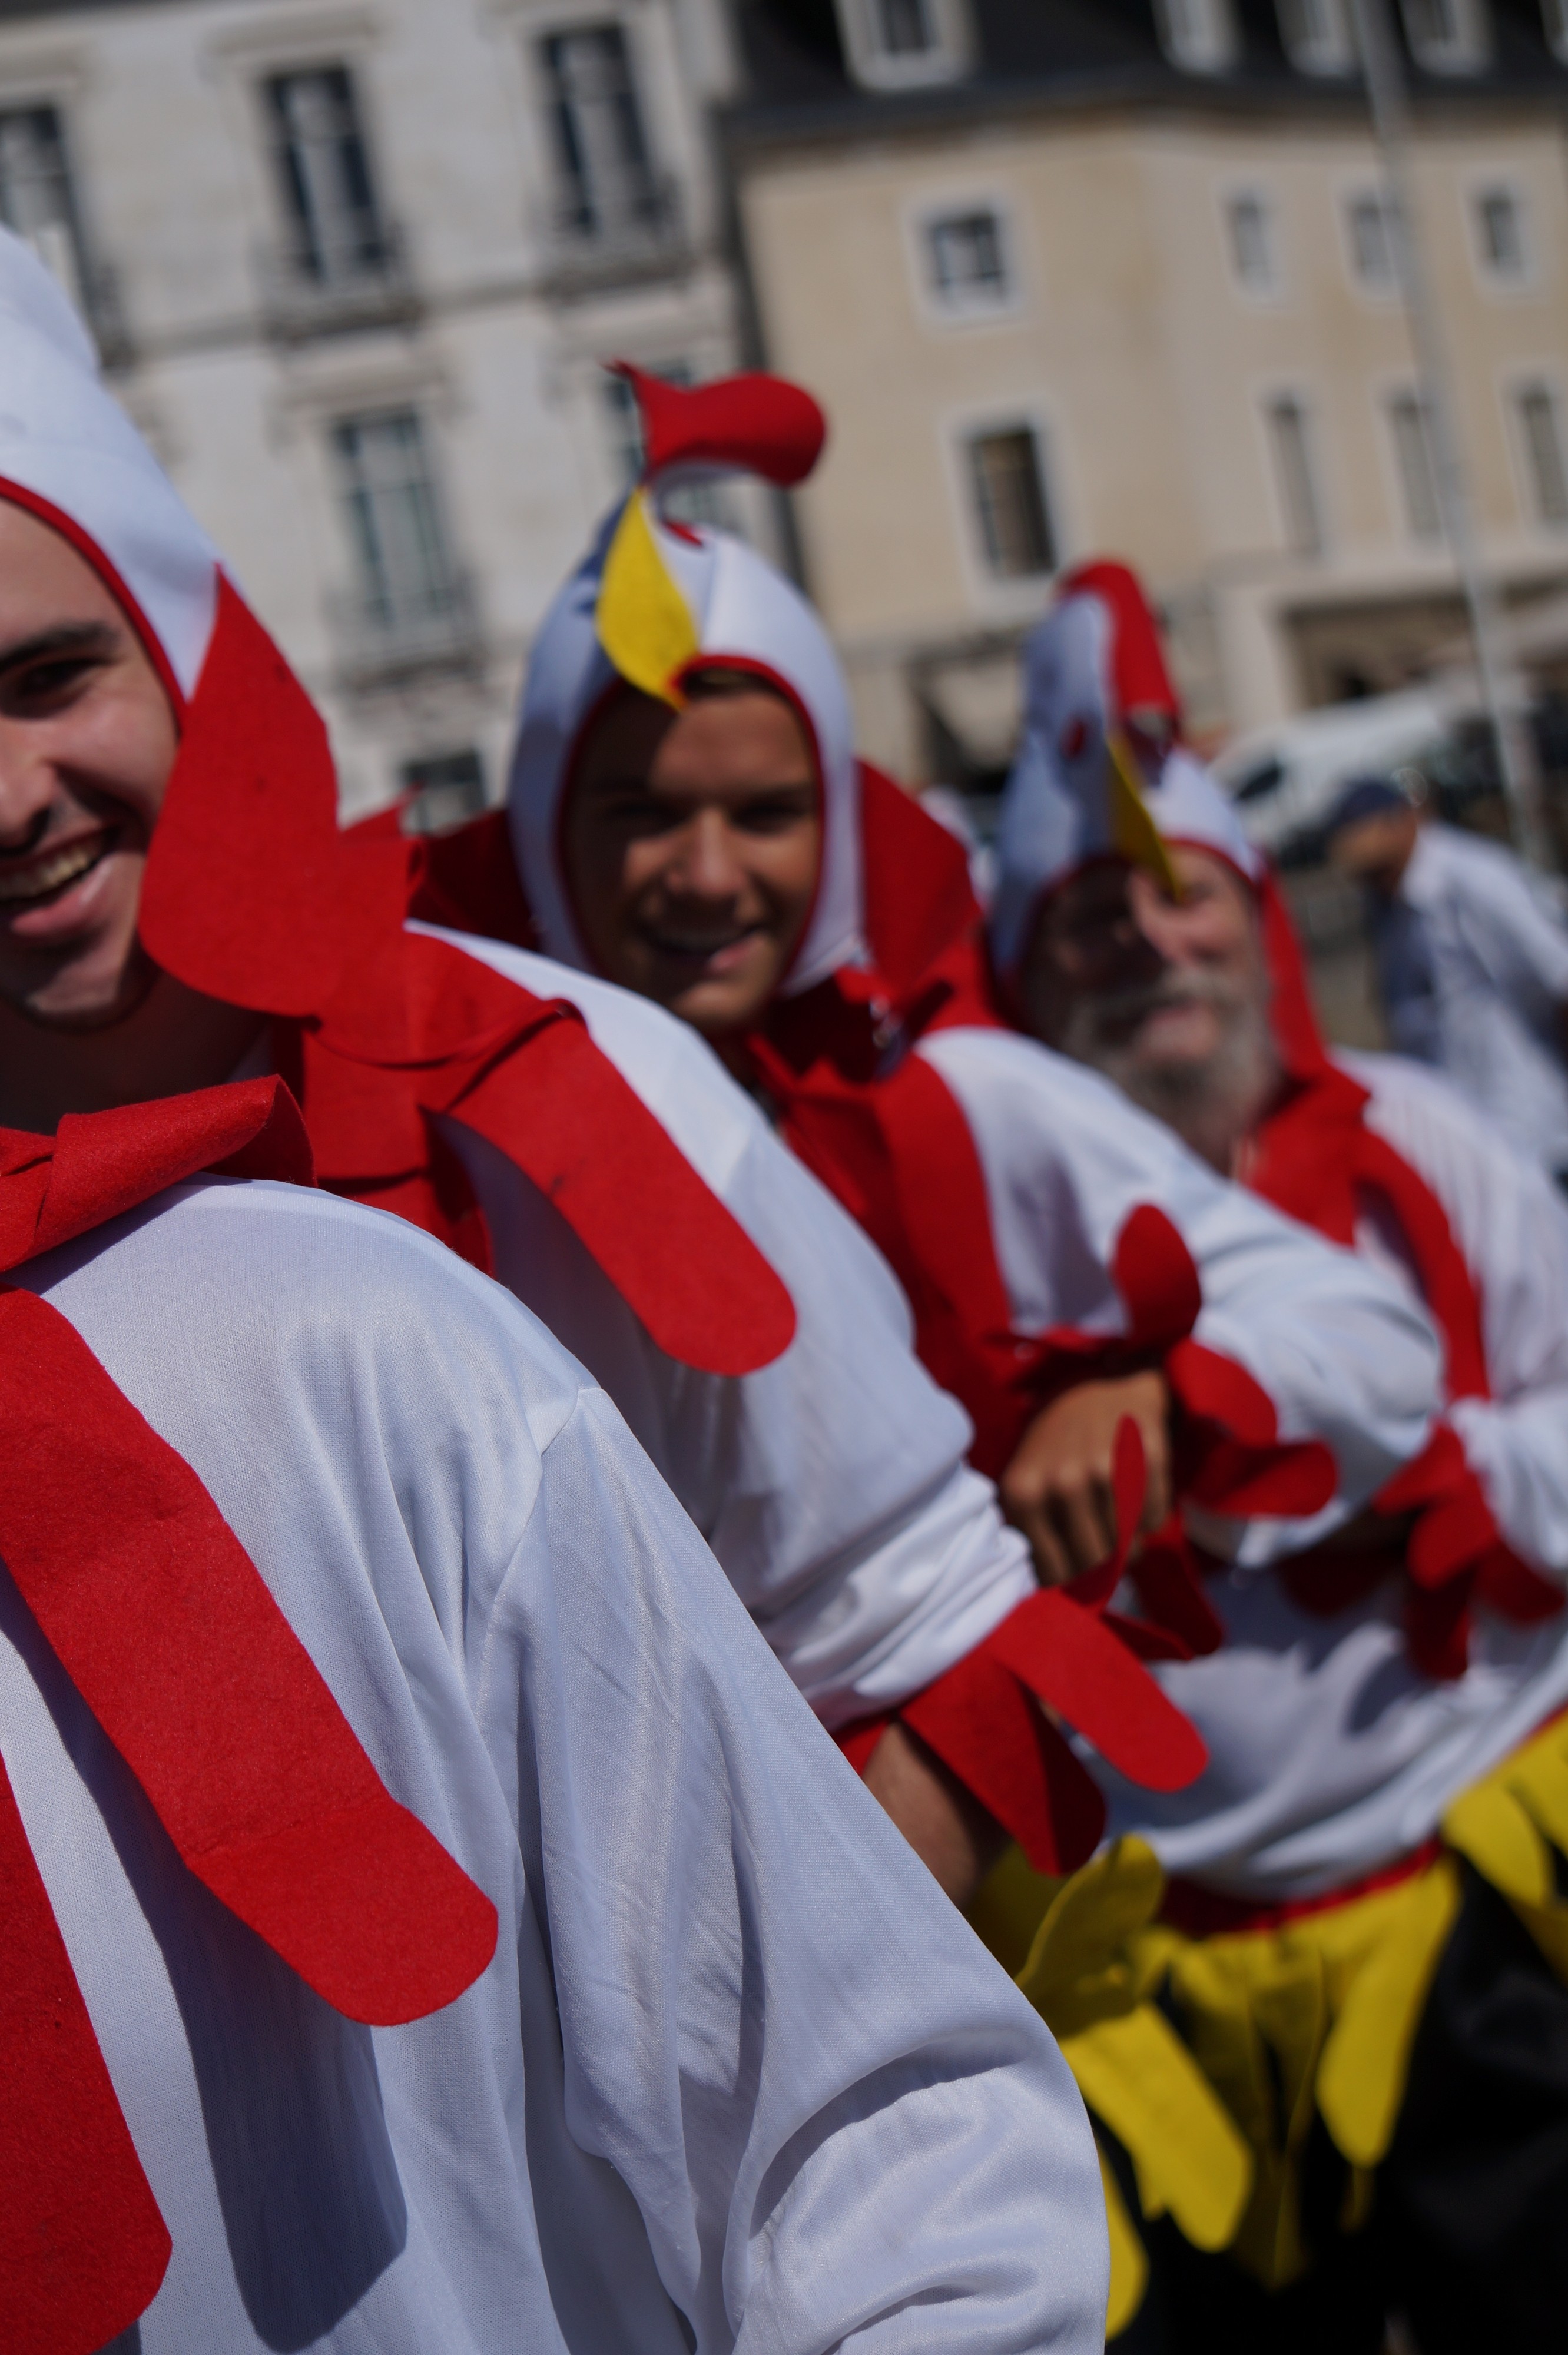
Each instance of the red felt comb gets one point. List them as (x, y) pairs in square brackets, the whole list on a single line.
[(754, 424), (1140, 678)]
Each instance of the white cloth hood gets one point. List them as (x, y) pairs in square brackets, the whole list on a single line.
[(68, 452), (746, 615), (1056, 812)]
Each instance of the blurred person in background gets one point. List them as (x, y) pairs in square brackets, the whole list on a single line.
[(687, 815), (1472, 962), (1367, 1905)]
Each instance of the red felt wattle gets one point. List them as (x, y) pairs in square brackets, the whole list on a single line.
[(82, 2245), (225, 1720), (751, 424), (244, 895)]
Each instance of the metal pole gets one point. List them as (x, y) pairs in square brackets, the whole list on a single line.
[(1502, 687)]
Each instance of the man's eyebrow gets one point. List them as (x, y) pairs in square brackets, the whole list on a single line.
[(63, 638)]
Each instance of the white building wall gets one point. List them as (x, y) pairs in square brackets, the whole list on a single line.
[(491, 333)]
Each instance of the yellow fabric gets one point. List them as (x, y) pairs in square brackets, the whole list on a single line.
[(1129, 2265), (1318, 2015), (1081, 1951), (1513, 1826), (1133, 830), (642, 618)]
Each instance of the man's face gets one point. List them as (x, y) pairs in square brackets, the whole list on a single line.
[(87, 742), (1377, 849), (691, 842), (1169, 997)]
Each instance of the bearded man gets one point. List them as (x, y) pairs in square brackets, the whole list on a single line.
[(1390, 1710)]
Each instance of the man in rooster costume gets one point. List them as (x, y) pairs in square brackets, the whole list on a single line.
[(1370, 1904), (686, 816)]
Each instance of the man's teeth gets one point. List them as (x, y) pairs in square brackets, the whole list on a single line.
[(47, 875), (689, 944)]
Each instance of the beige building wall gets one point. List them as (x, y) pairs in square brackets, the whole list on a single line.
[(1146, 368)]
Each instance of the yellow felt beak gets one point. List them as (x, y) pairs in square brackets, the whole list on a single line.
[(643, 620), (1134, 834)]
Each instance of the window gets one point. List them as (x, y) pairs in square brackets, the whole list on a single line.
[(1499, 236), (447, 789), (1447, 37), (1372, 228), (334, 228), (1290, 446), (1417, 473), (1010, 503), (1317, 36), (1249, 222), (406, 579), (966, 261), (900, 44), (605, 175), (1541, 434), (36, 196), (1198, 36)]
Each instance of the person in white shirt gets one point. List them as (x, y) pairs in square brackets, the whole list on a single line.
[(1393, 1790), (470, 1941), (1472, 962)]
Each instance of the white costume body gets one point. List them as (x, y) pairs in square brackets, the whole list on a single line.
[(1331, 1755), (832, 1485), (1499, 970), (737, 2076)]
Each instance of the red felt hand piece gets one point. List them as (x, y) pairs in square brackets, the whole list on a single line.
[(82, 2246), (1061, 1647), (224, 1720)]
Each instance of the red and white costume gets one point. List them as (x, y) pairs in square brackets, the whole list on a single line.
[(1040, 1228), (343, 1623), (1347, 1706)]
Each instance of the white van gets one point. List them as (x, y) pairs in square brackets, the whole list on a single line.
[(1285, 779)]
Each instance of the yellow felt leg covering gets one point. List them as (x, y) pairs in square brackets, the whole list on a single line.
[(1513, 1826), (1366, 2058), (642, 618), (1129, 2265), (1136, 2075)]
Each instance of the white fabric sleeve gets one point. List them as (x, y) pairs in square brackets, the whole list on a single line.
[(832, 2111), (1513, 933), (1511, 1225), (738, 2075), (1343, 1352), (832, 1485)]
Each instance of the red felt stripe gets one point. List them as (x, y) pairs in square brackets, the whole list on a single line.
[(82, 2246), (1078, 1666), (983, 1725), (169, 1632), (562, 1112)]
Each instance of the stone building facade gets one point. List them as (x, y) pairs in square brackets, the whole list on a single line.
[(353, 267), (1120, 280)]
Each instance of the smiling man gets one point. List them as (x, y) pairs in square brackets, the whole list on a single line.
[(1386, 1708), (691, 843)]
